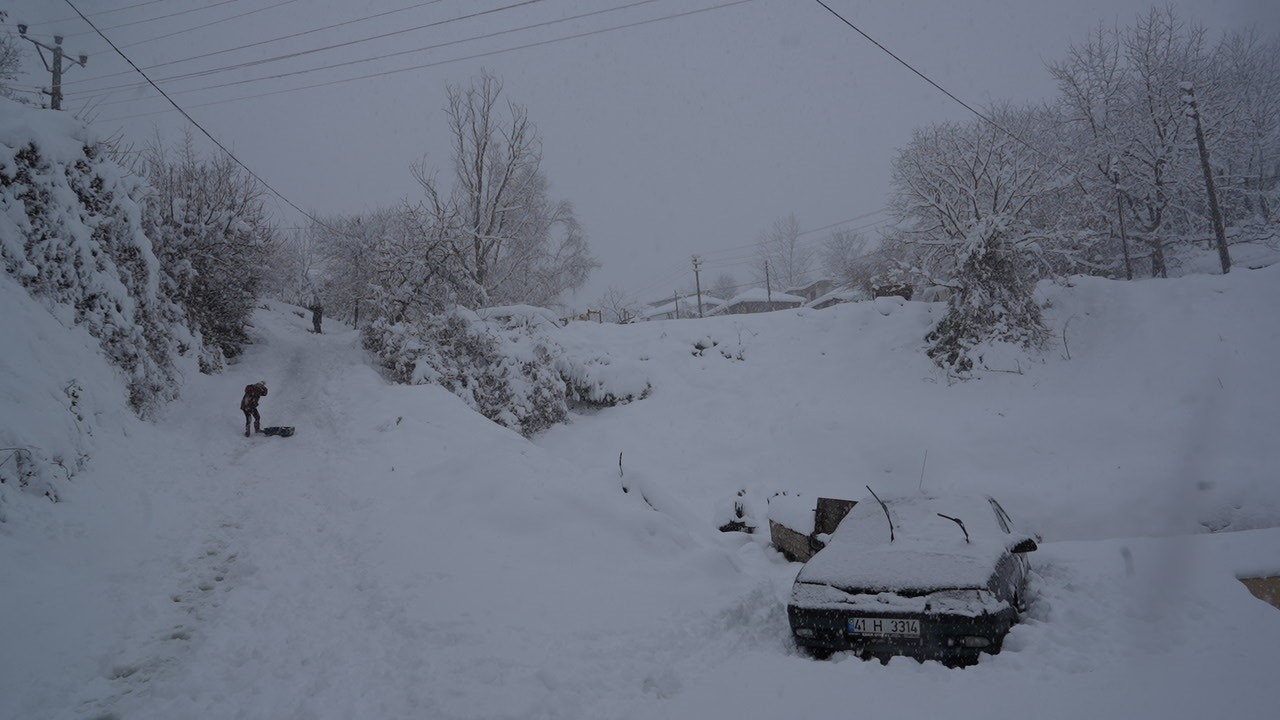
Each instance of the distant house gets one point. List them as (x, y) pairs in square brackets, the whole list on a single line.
[(758, 300), (836, 297), (813, 290), (683, 307), (936, 293), (901, 289), (512, 316)]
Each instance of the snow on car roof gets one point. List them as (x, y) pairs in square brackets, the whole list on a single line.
[(928, 552)]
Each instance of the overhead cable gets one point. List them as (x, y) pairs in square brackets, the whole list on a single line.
[(305, 71), (97, 14), (256, 44), (219, 21), (151, 19), (449, 61), (197, 125)]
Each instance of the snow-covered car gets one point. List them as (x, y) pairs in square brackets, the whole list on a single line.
[(926, 576)]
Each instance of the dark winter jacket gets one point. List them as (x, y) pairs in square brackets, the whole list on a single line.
[(251, 395)]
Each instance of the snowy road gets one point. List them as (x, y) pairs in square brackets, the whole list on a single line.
[(398, 557)]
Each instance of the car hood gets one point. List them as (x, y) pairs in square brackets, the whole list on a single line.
[(904, 566)]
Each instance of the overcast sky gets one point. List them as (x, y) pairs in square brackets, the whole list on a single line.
[(687, 135)]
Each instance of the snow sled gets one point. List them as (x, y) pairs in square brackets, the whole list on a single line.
[(278, 431)]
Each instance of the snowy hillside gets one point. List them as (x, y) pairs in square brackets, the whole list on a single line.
[(401, 556)]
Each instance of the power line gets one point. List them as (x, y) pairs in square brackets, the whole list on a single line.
[(263, 42), (855, 218), (205, 25), (361, 60), (151, 19), (941, 89), (100, 12), (445, 62), (197, 125), (301, 53)]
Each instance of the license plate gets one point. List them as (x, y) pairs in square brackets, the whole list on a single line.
[(884, 627)]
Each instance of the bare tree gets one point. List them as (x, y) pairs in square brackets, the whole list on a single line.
[(415, 274), (1138, 189), (348, 250), (1158, 163), (725, 287), (10, 59), (292, 265), (790, 261), (617, 308), (501, 231), (964, 196), (840, 254), (1250, 74), (1093, 84)]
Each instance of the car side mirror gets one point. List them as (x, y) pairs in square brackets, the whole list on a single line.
[(1025, 545)]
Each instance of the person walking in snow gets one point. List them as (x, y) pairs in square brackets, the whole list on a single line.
[(249, 404), (317, 311)]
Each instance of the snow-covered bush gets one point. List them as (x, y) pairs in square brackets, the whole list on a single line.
[(71, 233), (508, 363), (994, 303), (599, 380), (507, 375), (208, 222)]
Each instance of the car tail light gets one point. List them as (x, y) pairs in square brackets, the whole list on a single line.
[(974, 641)]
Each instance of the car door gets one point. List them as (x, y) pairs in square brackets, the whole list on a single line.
[(1011, 572)]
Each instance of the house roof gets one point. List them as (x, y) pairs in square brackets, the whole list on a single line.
[(844, 294), (761, 295), (686, 303), (527, 314), (809, 285)]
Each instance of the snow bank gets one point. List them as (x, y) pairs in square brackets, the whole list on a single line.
[(59, 401), (1148, 414)]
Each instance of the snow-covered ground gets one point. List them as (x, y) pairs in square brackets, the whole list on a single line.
[(401, 556)]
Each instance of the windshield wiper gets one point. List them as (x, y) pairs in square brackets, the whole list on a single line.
[(885, 508), (959, 522)]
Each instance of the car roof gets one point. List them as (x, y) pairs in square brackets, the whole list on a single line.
[(927, 552)]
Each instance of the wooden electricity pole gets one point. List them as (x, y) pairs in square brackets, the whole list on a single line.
[(697, 280), (1124, 238), (55, 93), (1189, 97)]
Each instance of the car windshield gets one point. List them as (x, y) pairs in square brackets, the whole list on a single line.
[(928, 551)]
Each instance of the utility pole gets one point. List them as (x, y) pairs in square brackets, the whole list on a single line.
[(55, 95), (1124, 238), (675, 299), (1189, 98), (697, 281)]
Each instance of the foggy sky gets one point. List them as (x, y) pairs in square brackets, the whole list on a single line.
[(688, 135)]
